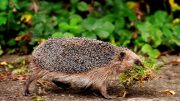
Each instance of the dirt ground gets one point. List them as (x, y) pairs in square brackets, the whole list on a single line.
[(168, 78)]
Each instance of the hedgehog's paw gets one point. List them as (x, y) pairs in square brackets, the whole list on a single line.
[(109, 96), (26, 93), (104, 93)]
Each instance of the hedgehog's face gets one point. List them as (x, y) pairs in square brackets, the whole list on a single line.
[(129, 59)]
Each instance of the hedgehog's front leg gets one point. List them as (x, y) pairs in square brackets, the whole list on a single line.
[(103, 90)]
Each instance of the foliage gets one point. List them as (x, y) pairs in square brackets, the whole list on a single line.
[(19, 67), (26, 23), (157, 30)]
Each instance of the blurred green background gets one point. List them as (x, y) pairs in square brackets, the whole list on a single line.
[(150, 27)]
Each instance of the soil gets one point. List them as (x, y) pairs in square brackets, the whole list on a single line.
[(168, 78)]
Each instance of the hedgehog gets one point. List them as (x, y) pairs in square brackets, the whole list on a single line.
[(81, 62)]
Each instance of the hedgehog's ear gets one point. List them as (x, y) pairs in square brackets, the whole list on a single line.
[(122, 56)]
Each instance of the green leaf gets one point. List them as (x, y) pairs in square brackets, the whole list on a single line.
[(144, 29), (167, 33), (20, 70), (3, 19), (146, 48), (3, 4), (103, 34), (129, 13), (69, 35), (16, 4), (120, 23), (75, 19), (156, 36), (177, 41), (97, 25), (36, 97), (108, 17), (10, 66), (75, 29), (139, 42), (74, 1), (176, 30), (176, 34), (60, 35), (88, 23), (11, 51), (108, 26), (154, 53), (1, 51), (89, 35), (38, 29), (124, 37), (57, 35), (158, 19), (64, 26), (112, 40), (103, 26), (11, 42), (82, 6)]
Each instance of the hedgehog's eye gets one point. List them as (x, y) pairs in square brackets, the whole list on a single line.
[(138, 63), (122, 56)]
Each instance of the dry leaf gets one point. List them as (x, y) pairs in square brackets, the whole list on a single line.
[(18, 77), (174, 5), (4, 63), (2, 76), (133, 5), (34, 6), (26, 18), (25, 36), (176, 21), (168, 91), (176, 61)]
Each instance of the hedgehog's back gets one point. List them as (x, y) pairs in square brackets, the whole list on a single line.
[(72, 55)]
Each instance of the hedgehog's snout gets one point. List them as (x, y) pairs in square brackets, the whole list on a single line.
[(138, 63)]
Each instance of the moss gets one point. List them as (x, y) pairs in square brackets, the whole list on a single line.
[(138, 74)]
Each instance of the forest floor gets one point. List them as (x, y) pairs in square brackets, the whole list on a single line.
[(167, 81)]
